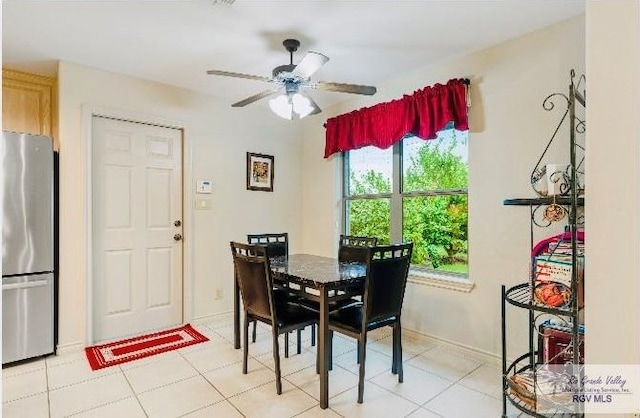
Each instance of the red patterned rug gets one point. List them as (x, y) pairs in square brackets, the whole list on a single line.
[(106, 355)]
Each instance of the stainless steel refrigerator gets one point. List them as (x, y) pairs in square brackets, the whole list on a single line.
[(27, 246)]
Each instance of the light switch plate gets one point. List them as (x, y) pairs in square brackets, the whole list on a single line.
[(203, 204), (204, 186)]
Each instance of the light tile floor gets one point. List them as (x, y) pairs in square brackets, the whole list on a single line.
[(206, 380)]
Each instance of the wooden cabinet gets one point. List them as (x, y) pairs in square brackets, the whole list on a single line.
[(29, 103)]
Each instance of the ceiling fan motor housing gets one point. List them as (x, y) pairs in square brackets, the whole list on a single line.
[(283, 69), (290, 45)]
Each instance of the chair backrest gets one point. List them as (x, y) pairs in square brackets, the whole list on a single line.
[(387, 271), (277, 244), (253, 274), (353, 248)]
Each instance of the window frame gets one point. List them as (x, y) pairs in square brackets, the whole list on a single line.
[(418, 274)]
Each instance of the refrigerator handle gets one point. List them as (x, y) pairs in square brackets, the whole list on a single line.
[(27, 285)]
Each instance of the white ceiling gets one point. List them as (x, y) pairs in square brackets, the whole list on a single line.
[(176, 41)]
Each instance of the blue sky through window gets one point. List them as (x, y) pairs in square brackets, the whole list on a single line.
[(372, 158)]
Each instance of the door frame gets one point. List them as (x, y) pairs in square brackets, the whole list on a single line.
[(88, 113)]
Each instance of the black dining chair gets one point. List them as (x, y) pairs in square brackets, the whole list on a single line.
[(277, 245), (354, 248), (351, 248), (385, 283), (261, 303)]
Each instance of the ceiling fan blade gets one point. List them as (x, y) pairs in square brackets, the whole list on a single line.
[(316, 108), (255, 98), (345, 88), (238, 75), (310, 64)]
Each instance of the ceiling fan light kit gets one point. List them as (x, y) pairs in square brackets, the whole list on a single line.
[(292, 78), (288, 105)]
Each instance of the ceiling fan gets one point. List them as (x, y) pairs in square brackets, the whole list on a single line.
[(290, 79)]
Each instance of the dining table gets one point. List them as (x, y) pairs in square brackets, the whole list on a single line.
[(319, 279)]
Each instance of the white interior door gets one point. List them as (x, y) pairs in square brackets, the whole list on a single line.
[(136, 228)]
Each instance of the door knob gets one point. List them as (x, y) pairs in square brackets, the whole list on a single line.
[(177, 223), (177, 237)]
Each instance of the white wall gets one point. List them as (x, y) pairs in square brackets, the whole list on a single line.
[(509, 130), (217, 138), (613, 164)]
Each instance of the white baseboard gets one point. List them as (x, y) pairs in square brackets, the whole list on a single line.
[(69, 348), (466, 350), (469, 351), (212, 317)]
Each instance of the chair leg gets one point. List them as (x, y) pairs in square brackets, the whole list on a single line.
[(362, 350), (313, 335), (286, 345), (399, 354), (276, 360), (299, 345), (358, 352), (245, 344), (253, 337), (394, 351)]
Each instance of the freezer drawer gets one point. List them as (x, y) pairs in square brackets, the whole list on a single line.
[(27, 317)]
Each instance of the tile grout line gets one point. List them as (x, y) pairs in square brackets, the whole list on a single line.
[(200, 373), (144, 411), (379, 350), (46, 371)]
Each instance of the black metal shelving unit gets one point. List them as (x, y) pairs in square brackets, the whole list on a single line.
[(521, 296)]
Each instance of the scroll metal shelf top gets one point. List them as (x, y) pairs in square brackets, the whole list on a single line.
[(560, 200)]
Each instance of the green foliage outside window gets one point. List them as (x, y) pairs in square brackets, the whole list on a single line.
[(434, 215), (370, 218)]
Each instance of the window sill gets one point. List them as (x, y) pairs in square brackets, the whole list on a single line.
[(444, 281)]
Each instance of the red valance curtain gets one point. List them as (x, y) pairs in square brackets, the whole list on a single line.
[(422, 114)]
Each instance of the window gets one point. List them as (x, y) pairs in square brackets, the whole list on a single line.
[(415, 191)]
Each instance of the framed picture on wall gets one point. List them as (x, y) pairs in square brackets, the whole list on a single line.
[(259, 172)]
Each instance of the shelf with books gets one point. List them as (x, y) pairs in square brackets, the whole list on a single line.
[(539, 393), (553, 296)]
